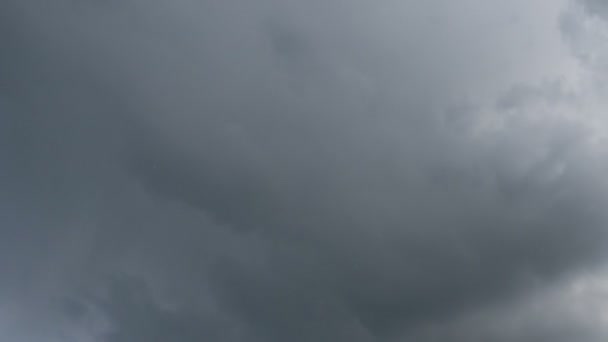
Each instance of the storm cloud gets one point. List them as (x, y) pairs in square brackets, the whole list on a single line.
[(198, 170)]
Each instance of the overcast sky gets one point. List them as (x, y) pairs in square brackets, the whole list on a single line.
[(303, 170)]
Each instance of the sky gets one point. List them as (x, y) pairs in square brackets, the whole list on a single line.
[(321, 170)]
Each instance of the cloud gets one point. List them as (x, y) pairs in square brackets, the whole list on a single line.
[(596, 7), (316, 171)]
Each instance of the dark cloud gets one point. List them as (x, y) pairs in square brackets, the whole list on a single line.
[(268, 171)]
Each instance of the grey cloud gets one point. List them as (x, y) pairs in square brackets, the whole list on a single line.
[(301, 172), (596, 7), (138, 318), (564, 312)]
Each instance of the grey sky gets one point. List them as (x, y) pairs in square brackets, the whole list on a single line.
[(265, 170)]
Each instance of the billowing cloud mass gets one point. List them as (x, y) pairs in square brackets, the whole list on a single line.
[(324, 170)]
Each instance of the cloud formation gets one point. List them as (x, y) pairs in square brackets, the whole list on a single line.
[(302, 171)]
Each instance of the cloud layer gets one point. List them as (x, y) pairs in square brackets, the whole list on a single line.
[(303, 171)]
